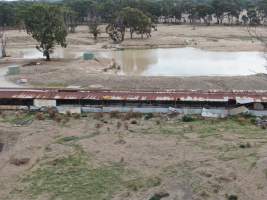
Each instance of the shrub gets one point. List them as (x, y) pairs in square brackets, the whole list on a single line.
[(40, 116), (131, 115), (98, 116), (114, 114), (133, 122), (187, 118), (118, 125), (52, 113), (76, 116), (149, 116), (232, 197), (57, 118)]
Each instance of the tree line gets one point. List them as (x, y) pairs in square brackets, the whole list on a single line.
[(170, 11)]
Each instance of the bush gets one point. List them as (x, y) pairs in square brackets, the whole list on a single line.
[(232, 197), (187, 118), (133, 122), (131, 115), (76, 116), (98, 116), (40, 116), (114, 114), (52, 113), (149, 116)]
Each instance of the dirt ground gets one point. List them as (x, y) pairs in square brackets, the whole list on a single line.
[(131, 157), (92, 74), (224, 38)]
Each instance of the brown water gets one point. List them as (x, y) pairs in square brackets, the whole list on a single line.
[(187, 62), (33, 53)]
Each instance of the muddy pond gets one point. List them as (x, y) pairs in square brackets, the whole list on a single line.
[(171, 61), (187, 62)]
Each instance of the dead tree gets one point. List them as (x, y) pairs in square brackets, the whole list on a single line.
[(3, 43)]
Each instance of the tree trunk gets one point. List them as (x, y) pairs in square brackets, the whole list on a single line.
[(3, 52), (122, 36), (48, 56), (72, 29)]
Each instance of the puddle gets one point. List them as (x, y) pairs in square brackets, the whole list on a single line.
[(187, 62), (4, 83), (32, 53)]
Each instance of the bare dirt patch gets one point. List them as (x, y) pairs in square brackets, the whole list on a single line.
[(225, 38)]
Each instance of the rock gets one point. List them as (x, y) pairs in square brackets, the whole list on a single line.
[(232, 197), (159, 196), (239, 110), (258, 106), (120, 141), (96, 86), (74, 87), (22, 81)]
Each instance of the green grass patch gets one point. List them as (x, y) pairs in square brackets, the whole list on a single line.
[(208, 127), (18, 119), (143, 183), (72, 178)]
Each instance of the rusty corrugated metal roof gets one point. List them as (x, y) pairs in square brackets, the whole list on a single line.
[(166, 95)]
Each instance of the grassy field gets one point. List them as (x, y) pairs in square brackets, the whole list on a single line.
[(131, 156)]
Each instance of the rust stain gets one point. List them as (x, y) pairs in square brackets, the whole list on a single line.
[(169, 95)]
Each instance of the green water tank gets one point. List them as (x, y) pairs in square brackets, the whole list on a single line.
[(13, 70), (88, 56)]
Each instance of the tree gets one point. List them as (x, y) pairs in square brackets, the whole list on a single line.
[(93, 28), (3, 43), (83, 8), (135, 20), (204, 11), (262, 7), (219, 10), (245, 19), (7, 14), (116, 31), (70, 18), (45, 23), (253, 16)]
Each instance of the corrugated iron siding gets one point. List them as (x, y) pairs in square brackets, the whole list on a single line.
[(181, 95)]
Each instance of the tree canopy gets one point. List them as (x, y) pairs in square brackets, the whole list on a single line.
[(106, 10), (45, 23)]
